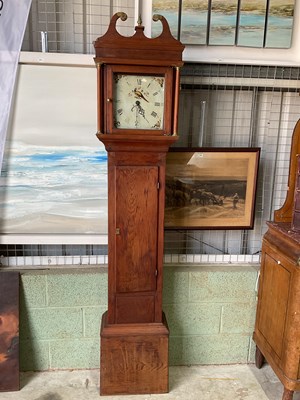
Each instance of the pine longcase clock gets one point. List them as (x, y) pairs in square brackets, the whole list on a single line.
[(138, 91)]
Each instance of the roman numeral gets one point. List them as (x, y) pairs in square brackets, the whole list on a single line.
[(154, 114), (139, 81), (157, 104), (120, 111)]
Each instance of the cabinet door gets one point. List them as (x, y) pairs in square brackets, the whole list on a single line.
[(273, 303), (136, 225), (136, 242)]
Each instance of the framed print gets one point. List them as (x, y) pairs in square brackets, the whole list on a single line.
[(211, 188)]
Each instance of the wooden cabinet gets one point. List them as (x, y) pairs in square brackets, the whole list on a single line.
[(277, 326), (296, 209), (277, 329)]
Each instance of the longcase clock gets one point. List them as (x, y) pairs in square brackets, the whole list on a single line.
[(138, 92)]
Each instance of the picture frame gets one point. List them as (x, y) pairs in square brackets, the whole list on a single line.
[(211, 188)]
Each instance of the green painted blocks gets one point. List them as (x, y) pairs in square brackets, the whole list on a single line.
[(212, 319), (210, 312), (60, 319)]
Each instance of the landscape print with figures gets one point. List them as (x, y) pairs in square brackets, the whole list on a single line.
[(211, 188), (225, 16)]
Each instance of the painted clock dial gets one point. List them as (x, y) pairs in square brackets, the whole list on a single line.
[(138, 101)]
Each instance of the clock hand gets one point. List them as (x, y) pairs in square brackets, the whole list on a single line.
[(139, 95), (135, 108), (139, 110), (136, 124)]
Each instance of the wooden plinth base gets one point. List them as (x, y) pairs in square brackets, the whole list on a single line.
[(134, 358)]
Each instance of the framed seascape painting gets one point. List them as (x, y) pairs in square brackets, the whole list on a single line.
[(211, 188), (54, 174)]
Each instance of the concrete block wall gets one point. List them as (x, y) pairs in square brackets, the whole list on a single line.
[(210, 312)]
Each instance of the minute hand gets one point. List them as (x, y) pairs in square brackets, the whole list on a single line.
[(139, 95)]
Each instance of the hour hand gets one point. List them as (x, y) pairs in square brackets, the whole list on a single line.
[(139, 95)]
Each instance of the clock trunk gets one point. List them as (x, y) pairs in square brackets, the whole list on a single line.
[(134, 323)]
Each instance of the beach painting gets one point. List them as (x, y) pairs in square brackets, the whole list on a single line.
[(53, 190), (248, 16), (54, 175)]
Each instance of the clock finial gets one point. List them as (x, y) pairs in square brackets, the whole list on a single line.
[(139, 21)]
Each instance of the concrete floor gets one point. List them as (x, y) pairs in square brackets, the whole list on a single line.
[(234, 382)]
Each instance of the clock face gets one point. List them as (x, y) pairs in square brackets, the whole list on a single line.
[(138, 101)]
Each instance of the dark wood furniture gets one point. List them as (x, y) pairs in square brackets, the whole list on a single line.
[(134, 331), (9, 332), (296, 210), (277, 326)]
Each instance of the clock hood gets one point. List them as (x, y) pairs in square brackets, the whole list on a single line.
[(138, 49)]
